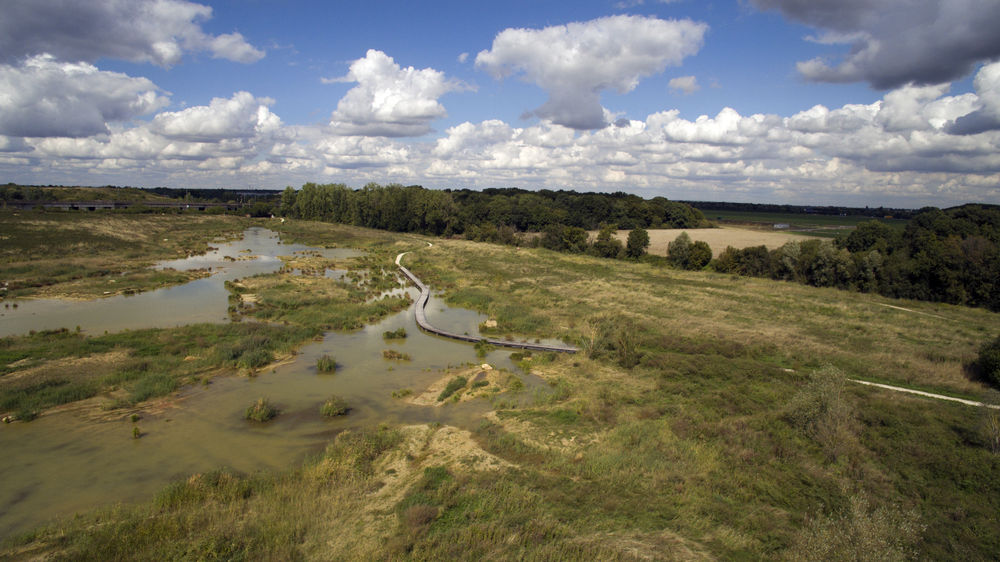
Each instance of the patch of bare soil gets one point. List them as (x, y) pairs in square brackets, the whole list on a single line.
[(481, 380)]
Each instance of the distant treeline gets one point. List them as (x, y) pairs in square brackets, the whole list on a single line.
[(950, 256), (447, 212), (874, 212)]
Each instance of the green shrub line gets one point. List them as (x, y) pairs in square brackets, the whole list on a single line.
[(989, 361), (453, 386)]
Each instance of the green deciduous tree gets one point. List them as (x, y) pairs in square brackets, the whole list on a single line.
[(638, 241)]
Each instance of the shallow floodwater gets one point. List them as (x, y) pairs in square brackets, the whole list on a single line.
[(201, 300), (67, 462)]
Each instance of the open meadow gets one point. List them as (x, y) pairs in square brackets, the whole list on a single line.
[(707, 416)]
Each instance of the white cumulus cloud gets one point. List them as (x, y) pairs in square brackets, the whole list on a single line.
[(156, 31), (43, 97), (241, 116), (575, 62), (684, 84), (986, 116), (390, 101)]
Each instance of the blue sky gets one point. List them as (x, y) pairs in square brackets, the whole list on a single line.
[(882, 102)]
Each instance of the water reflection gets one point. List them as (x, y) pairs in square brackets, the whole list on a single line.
[(202, 300)]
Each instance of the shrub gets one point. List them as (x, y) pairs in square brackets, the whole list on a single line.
[(326, 364), (638, 241), (821, 411), (334, 406), (394, 355), (255, 359), (989, 361), (260, 411), (454, 385), (614, 337), (394, 334), (482, 349)]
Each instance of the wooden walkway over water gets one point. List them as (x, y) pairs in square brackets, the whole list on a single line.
[(421, 316)]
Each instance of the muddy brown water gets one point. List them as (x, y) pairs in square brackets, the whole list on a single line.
[(201, 300), (66, 462)]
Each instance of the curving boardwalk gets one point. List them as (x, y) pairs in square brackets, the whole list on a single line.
[(425, 294)]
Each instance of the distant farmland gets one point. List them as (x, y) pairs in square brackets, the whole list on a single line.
[(717, 238), (804, 223)]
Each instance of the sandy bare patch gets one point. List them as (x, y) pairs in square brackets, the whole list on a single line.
[(717, 238), (473, 375)]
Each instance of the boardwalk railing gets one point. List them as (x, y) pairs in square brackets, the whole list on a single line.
[(421, 316)]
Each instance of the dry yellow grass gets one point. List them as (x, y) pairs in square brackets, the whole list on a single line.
[(717, 238)]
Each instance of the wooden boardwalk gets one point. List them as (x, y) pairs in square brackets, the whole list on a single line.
[(421, 316)]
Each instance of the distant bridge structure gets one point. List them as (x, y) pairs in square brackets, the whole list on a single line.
[(112, 205)]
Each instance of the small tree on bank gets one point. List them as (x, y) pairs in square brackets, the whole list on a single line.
[(638, 241), (606, 245)]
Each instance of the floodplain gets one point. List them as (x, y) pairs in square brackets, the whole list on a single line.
[(706, 416)]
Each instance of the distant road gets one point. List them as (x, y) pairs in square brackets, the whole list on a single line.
[(425, 294)]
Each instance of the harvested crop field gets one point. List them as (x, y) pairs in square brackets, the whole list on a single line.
[(717, 238)]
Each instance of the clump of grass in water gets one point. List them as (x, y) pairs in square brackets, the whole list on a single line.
[(334, 406), (395, 355), (394, 334), (326, 364), (402, 393), (260, 411), (454, 386)]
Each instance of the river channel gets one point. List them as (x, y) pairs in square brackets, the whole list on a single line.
[(70, 460)]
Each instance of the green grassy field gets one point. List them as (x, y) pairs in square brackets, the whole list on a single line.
[(706, 417)]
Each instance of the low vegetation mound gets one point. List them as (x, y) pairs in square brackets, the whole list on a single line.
[(334, 406), (260, 411), (326, 364)]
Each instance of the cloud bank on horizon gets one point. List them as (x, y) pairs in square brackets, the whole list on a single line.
[(96, 93)]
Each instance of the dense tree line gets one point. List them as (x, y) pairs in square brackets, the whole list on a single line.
[(493, 214), (948, 256), (874, 212)]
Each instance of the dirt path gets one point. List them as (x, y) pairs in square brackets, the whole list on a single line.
[(927, 394)]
